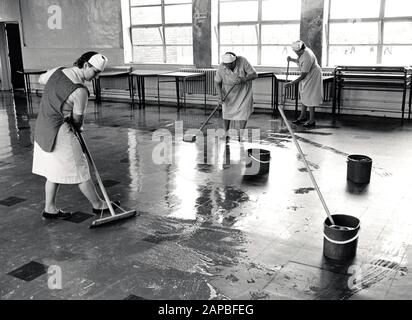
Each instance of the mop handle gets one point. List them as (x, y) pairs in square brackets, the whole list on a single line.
[(99, 180), (217, 108), (301, 153)]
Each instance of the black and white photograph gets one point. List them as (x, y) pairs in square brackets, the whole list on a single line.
[(205, 158)]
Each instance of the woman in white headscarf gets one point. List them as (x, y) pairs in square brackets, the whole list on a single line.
[(310, 83), (235, 70), (58, 155)]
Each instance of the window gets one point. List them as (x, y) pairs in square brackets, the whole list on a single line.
[(376, 32), (260, 30), (161, 31)]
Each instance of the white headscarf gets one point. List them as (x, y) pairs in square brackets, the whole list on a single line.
[(297, 45), (228, 58), (98, 61)]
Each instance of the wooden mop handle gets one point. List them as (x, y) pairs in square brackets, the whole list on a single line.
[(99, 180), (216, 108), (302, 155)]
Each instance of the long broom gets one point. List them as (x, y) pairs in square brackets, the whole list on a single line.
[(113, 216), (192, 138), (303, 156)]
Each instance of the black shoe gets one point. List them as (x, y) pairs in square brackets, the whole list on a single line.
[(115, 205), (309, 124), (59, 215), (299, 121)]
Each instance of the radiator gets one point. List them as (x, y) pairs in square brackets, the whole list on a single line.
[(197, 86)]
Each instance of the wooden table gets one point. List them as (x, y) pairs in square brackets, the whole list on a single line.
[(281, 78), (110, 74), (373, 78), (271, 74), (140, 76), (27, 73), (180, 77)]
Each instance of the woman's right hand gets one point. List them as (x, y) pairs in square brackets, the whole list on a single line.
[(289, 58), (220, 100)]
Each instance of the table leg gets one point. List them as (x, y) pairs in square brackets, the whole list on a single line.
[(177, 93), (28, 84), (410, 100), (158, 92), (296, 100), (143, 92), (131, 88), (272, 101), (26, 88), (204, 86), (405, 88), (339, 95)]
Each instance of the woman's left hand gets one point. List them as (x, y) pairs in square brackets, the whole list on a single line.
[(241, 80)]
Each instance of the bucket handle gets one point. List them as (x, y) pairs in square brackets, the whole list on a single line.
[(341, 242), (259, 160)]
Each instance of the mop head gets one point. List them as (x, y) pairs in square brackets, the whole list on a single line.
[(111, 218), (189, 138)]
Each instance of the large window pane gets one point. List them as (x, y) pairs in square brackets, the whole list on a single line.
[(146, 36), (398, 8), (352, 55), (398, 32), (148, 54), (146, 15), (144, 2), (179, 54), (178, 14), (397, 55), (354, 33), (239, 11), (249, 52), (178, 35), (280, 33), (276, 55), (343, 9), (238, 34), (281, 10)]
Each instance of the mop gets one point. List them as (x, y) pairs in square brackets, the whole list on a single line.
[(113, 216), (192, 138), (333, 225)]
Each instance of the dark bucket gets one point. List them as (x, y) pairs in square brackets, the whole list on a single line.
[(258, 162), (341, 244), (359, 168)]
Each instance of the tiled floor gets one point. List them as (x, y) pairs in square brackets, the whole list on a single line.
[(205, 230)]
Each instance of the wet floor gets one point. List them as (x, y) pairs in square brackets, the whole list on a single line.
[(207, 229)]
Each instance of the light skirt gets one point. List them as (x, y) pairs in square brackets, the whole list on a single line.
[(66, 164)]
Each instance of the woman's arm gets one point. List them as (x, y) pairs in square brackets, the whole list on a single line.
[(44, 77), (80, 99), (296, 81)]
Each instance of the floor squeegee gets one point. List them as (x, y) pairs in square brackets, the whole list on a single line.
[(113, 216)]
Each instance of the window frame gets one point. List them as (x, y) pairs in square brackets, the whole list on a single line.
[(257, 23), (381, 20), (162, 26)]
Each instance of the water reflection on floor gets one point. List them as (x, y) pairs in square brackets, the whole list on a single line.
[(207, 230)]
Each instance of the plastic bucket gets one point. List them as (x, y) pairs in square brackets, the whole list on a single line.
[(359, 168), (258, 162), (341, 244)]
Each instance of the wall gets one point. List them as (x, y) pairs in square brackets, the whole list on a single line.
[(311, 26), (202, 33), (85, 25), (9, 10)]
